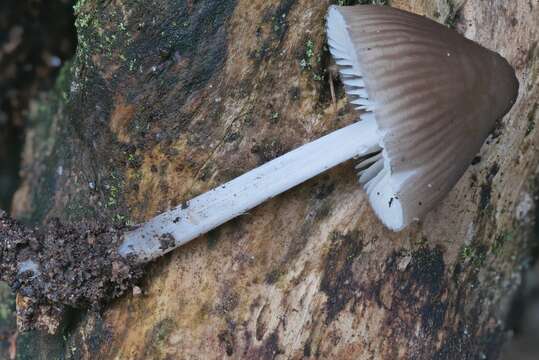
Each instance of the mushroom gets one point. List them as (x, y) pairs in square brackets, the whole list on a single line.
[(428, 98), (434, 95)]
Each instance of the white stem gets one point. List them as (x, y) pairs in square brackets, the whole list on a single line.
[(203, 213)]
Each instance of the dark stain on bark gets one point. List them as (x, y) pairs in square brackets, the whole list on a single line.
[(471, 347), (486, 187), (156, 338), (179, 55), (228, 300), (227, 338), (156, 68), (268, 149), (428, 269), (101, 336), (324, 190), (417, 296), (275, 20), (467, 333), (97, 340), (270, 349), (420, 287), (194, 39), (274, 275), (338, 282), (213, 237)]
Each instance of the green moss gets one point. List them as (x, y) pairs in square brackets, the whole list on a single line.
[(452, 15), (114, 192), (474, 255), (85, 20), (500, 240), (274, 117), (307, 61), (78, 5), (94, 38), (311, 61), (420, 242), (7, 309)]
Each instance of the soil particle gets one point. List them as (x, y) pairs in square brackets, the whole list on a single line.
[(166, 241), (268, 149), (62, 265)]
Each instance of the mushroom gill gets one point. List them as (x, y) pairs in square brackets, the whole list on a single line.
[(434, 95)]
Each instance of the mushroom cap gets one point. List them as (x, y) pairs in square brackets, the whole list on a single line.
[(435, 95)]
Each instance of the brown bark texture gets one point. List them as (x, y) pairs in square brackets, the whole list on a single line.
[(167, 99)]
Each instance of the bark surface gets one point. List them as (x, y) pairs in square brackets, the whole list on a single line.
[(167, 99)]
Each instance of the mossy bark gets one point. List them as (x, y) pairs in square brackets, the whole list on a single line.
[(166, 99)]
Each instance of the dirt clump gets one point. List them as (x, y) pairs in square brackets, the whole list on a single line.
[(62, 265), (166, 241)]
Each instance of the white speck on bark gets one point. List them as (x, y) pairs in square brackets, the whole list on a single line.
[(524, 207)]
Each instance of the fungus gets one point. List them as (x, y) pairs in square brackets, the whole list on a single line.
[(434, 95), (428, 99)]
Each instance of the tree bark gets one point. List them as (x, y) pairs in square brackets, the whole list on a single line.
[(167, 99)]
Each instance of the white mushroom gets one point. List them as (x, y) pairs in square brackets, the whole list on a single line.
[(428, 99)]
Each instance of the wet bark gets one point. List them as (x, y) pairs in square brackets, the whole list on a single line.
[(167, 99)]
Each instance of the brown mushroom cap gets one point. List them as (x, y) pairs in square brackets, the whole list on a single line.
[(435, 95)]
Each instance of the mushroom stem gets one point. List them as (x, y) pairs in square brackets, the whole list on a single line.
[(215, 207)]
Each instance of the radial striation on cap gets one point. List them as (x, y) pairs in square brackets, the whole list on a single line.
[(435, 97)]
